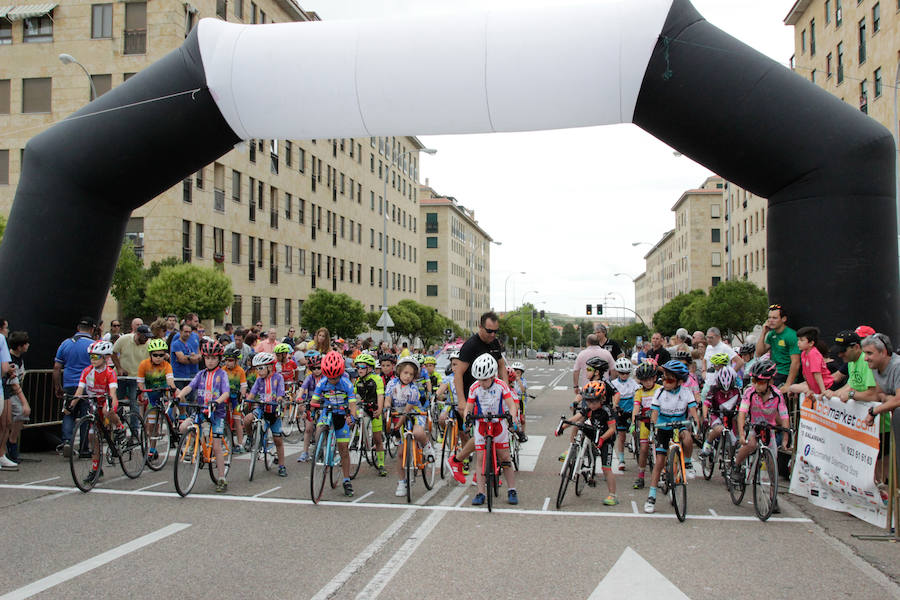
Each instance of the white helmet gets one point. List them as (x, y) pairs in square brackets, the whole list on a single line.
[(623, 365), (101, 347), (454, 354), (408, 360), (484, 367), (262, 359), (518, 366)]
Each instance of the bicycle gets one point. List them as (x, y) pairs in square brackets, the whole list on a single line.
[(490, 468), (323, 460), (162, 431), (262, 442), (673, 480), (723, 447), (762, 471), (434, 413), (411, 453), (88, 436), (580, 465), (196, 449), (450, 443), (293, 419), (362, 443)]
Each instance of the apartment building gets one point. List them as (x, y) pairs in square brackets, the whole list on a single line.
[(282, 218), (456, 258), (745, 246)]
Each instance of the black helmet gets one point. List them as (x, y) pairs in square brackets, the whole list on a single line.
[(645, 371), (763, 369), (748, 348), (598, 364)]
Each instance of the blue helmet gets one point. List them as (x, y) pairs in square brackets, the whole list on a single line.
[(311, 353), (678, 368)]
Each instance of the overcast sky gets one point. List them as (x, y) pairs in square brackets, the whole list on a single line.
[(566, 205)]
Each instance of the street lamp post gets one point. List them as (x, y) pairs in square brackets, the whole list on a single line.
[(68, 59), (505, 283), (523, 305), (384, 305)]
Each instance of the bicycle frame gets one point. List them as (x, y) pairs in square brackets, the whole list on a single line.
[(491, 475)]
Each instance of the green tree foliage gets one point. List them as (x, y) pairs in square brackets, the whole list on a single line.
[(518, 325), (569, 336), (188, 288), (340, 313), (372, 319), (627, 335), (694, 316), (431, 323), (736, 306), (406, 322), (129, 281), (2, 226), (668, 318)]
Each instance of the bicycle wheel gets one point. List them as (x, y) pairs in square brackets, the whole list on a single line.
[(429, 472), (737, 488), (726, 458), (514, 449), (678, 483), (256, 438), (490, 477), (765, 483), (391, 443), (636, 444), (268, 448), (566, 474), (132, 450), (708, 462), (357, 449), (227, 447), (580, 466), (292, 426), (158, 439), (187, 462), (448, 445), (319, 468), (409, 463), (331, 451), (86, 444), (368, 451)]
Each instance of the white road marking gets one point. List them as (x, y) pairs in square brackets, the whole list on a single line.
[(152, 485), (416, 507), (92, 563), (713, 513), (396, 562), (634, 508), (634, 577), (560, 388), (362, 497), (337, 582), (261, 494), (530, 451), (535, 387), (75, 489), (43, 480), (546, 503), (462, 500), (557, 379)]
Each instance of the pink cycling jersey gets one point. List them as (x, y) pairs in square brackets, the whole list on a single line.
[(767, 410)]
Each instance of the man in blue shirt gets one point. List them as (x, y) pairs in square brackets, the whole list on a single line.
[(71, 359), (185, 354)]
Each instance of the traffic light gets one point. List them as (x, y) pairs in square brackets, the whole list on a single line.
[(599, 309), (588, 309), (542, 315)]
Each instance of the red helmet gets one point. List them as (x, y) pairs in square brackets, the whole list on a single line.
[(332, 364), (211, 348)]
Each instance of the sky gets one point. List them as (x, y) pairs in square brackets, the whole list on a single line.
[(567, 205)]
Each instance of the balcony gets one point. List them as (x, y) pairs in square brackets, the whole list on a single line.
[(135, 41), (219, 200)]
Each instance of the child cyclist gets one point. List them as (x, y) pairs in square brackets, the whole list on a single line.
[(671, 404), (237, 386), (646, 374), (268, 387), (212, 391), (520, 387), (154, 374), (447, 391), (286, 366), (99, 379), (370, 389), (626, 386), (404, 396), (489, 395), (723, 395), (336, 392), (761, 401), (314, 375), (599, 416), (596, 368), (430, 364), (386, 363)]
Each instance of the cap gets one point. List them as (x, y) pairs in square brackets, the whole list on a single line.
[(864, 331), (87, 322), (846, 338), (143, 329)]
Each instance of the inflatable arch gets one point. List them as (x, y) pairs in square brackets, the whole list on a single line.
[(826, 168)]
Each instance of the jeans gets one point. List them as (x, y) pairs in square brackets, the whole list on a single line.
[(68, 422)]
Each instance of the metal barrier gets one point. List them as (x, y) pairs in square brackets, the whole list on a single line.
[(46, 408)]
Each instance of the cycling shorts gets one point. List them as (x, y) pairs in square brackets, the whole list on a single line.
[(216, 421), (645, 432), (499, 428), (623, 421), (605, 453), (420, 420), (272, 418), (371, 410), (664, 436), (340, 424)]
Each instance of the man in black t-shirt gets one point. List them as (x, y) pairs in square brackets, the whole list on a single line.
[(657, 351), (607, 344)]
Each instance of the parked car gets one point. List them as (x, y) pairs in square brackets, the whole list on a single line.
[(541, 354), (571, 355), (557, 355)]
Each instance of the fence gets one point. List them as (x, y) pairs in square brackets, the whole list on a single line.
[(46, 408)]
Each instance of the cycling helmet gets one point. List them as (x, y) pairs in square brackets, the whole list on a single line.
[(763, 369), (748, 348), (263, 359), (387, 357), (484, 367), (419, 358), (211, 348), (314, 362), (725, 377), (333, 364), (281, 348), (623, 365), (157, 344), (365, 359), (518, 366), (408, 360), (652, 362), (719, 358), (454, 354), (681, 355), (677, 368), (101, 347), (645, 370), (598, 364), (429, 360), (310, 353), (594, 390), (233, 353)]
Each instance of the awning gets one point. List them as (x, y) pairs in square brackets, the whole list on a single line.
[(4, 10), (30, 10)]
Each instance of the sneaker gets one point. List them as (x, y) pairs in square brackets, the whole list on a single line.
[(638, 483), (650, 505), (238, 449), (304, 457), (221, 486), (248, 444), (512, 497), (522, 437), (479, 499), (456, 468), (92, 477), (610, 500), (8, 465), (706, 450), (621, 467), (737, 475), (382, 472), (66, 449), (348, 489), (562, 457), (401, 489), (282, 471), (429, 453), (689, 469)]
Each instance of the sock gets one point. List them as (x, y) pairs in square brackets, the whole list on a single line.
[(652, 492), (621, 456), (380, 458), (641, 474), (687, 463), (12, 450), (706, 445), (95, 464), (512, 490), (346, 479)]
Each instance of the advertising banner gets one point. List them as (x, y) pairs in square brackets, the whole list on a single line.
[(835, 464)]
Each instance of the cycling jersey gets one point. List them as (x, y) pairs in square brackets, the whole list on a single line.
[(719, 399), (764, 410), (336, 395), (150, 376), (288, 370), (600, 419), (626, 389), (267, 389), (309, 386), (252, 376), (645, 398), (369, 388), (492, 400), (672, 405), (209, 386), (237, 383), (99, 383)]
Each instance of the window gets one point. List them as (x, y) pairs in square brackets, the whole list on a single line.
[(254, 17), (222, 9), (239, 13), (289, 259), (828, 66), (101, 21), (288, 208), (36, 95), (878, 83), (301, 210), (715, 281), (251, 256), (252, 200), (237, 309), (431, 266), (838, 13), (812, 37), (135, 28), (864, 96), (716, 235), (256, 310), (827, 12), (717, 259), (876, 18), (431, 222), (4, 167), (803, 42), (431, 242), (431, 290), (218, 244), (273, 207), (236, 186), (4, 96), (862, 40), (186, 241), (186, 190), (235, 248), (199, 240), (273, 263), (287, 311), (38, 29), (715, 210), (840, 63), (301, 160), (812, 76)]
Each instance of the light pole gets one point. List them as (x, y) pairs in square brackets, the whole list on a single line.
[(505, 283), (68, 59), (523, 305), (385, 317), (531, 342)]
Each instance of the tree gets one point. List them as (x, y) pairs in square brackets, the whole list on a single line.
[(736, 306), (372, 319), (2, 226), (129, 281), (188, 288), (339, 313), (668, 318), (406, 322), (431, 324), (629, 333), (569, 336), (694, 316)]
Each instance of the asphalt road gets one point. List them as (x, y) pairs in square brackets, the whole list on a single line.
[(137, 538)]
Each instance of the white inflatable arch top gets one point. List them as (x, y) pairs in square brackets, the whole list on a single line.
[(572, 65)]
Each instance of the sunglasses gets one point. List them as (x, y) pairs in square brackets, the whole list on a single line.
[(262, 367), (115, 324), (670, 379), (590, 369), (774, 307), (759, 380), (491, 330), (158, 354), (362, 366), (96, 356)]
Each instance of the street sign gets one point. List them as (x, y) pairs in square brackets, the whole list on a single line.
[(385, 320)]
